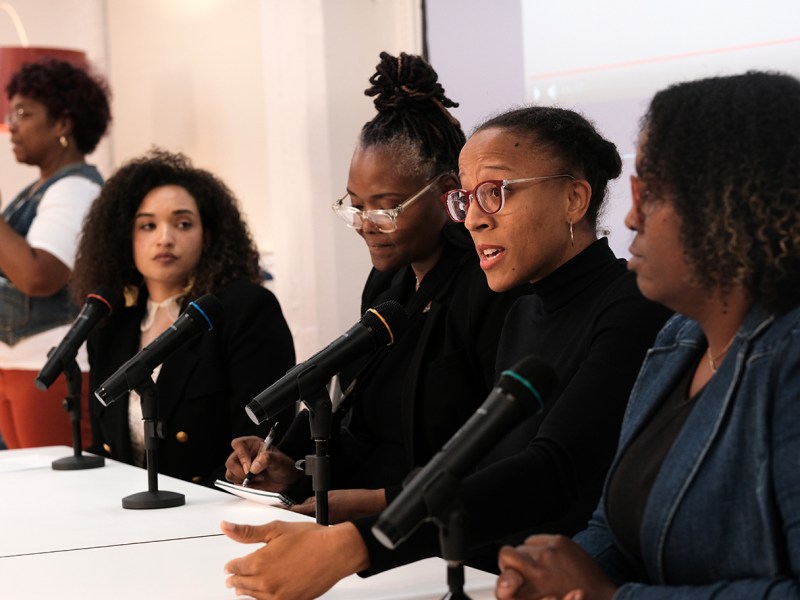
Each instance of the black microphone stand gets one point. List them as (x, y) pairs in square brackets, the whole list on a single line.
[(447, 512), (72, 404), (153, 430), (318, 465), (453, 542)]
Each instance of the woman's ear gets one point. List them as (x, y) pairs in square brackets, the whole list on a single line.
[(64, 125), (580, 194)]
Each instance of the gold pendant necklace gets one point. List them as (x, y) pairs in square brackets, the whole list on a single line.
[(712, 359)]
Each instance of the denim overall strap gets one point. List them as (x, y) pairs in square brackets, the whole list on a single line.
[(22, 316)]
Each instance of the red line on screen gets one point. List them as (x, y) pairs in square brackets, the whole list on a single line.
[(657, 59)]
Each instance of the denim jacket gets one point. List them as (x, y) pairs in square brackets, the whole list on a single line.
[(722, 519), (22, 316)]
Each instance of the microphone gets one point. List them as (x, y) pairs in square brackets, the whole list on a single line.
[(520, 392), (199, 316), (379, 326), (100, 303)]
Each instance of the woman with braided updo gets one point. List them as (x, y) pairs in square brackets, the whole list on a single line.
[(534, 182), (404, 403)]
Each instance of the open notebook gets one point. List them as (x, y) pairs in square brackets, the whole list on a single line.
[(255, 495)]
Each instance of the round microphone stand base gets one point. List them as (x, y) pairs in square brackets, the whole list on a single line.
[(158, 499), (153, 430), (82, 461)]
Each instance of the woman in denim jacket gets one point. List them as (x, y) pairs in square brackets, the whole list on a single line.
[(58, 114), (703, 497)]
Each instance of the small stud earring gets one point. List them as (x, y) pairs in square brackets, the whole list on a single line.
[(63, 141)]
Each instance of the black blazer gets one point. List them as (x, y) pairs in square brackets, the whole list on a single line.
[(203, 386)]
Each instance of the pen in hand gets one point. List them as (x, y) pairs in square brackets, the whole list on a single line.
[(267, 447)]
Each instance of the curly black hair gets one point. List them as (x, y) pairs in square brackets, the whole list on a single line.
[(413, 119), (67, 90), (105, 250), (725, 152), (569, 137)]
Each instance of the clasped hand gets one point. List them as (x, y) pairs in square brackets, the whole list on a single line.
[(550, 567)]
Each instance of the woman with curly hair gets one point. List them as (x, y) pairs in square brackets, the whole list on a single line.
[(163, 233), (703, 497), (404, 403), (58, 114)]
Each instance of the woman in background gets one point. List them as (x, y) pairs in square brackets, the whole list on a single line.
[(409, 399), (703, 498), (164, 233), (58, 114)]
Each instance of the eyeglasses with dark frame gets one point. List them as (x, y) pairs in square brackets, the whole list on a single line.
[(384, 220), (491, 196)]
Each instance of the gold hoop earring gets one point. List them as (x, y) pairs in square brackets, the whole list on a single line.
[(571, 236), (63, 141)]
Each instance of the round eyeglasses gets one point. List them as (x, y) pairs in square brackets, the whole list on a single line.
[(384, 220), (491, 196)]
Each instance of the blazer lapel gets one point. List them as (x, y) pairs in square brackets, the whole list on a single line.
[(702, 426), (174, 378), (119, 346)]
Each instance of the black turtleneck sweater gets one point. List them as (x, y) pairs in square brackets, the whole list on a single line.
[(587, 320)]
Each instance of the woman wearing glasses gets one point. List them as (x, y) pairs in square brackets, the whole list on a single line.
[(534, 181), (403, 404), (58, 115)]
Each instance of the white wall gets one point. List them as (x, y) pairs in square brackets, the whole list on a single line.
[(187, 76), (265, 93)]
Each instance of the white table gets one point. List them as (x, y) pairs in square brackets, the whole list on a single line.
[(65, 535), (83, 509)]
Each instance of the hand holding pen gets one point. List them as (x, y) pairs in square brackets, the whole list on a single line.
[(267, 446)]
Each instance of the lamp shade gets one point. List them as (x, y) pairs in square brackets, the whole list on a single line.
[(12, 58)]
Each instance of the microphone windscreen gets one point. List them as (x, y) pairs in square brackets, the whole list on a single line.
[(206, 311), (530, 380), (107, 295), (388, 320)]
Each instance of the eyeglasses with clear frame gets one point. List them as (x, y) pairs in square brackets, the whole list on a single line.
[(15, 116), (491, 196), (384, 220)]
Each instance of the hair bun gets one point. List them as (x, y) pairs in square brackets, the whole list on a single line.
[(404, 82)]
